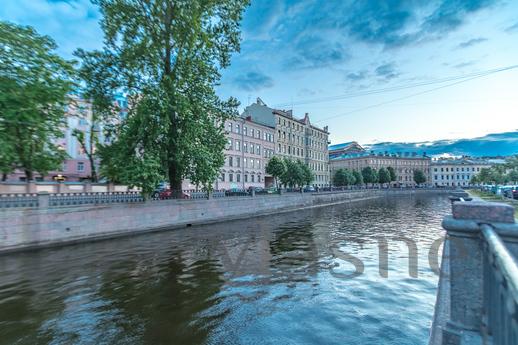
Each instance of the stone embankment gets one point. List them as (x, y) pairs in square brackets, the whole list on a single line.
[(46, 223)]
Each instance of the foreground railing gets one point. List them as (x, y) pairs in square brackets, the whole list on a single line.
[(500, 290), (478, 293)]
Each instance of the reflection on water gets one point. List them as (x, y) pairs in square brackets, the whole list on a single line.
[(269, 280)]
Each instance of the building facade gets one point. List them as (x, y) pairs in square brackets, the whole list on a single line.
[(456, 172), (78, 117), (295, 139), (250, 146), (354, 157)]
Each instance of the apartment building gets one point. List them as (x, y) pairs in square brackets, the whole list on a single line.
[(353, 157), (250, 146), (456, 172), (295, 138)]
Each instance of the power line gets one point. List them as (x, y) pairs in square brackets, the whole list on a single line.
[(398, 87), (410, 96)]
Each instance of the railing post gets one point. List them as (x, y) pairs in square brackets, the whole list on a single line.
[(61, 187), (466, 278), (209, 195), (43, 199), (88, 187)]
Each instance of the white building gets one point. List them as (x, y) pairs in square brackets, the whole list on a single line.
[(456, 172)]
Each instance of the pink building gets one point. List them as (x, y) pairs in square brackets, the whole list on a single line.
[(250, 146)]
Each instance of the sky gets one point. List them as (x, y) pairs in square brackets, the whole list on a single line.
[(373, 71)]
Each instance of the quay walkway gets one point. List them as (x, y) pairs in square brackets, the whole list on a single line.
[(477, 299)]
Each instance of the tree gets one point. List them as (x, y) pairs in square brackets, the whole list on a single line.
[(169, 55), (392, 172), (307, 173), (34, 83), (419, 177), (358, 178), (369, 175), (99, 81), (339, 178), (383, 176), (276, 167), (294, 175)]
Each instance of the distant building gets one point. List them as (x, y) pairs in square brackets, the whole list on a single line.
[(295, 139), (351, 147), (78, 115), (250, 146), (352, 156), (457, 172)]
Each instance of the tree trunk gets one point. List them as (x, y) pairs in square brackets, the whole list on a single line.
[(93, 172), (29, 175), (174, 179), (4, 177)]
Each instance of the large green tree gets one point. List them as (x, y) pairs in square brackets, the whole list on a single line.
[(369, 175), (169, 55), (392, 172), (358, 178), (419, 176), (34, 83), (307, 174), (276, 167), (383, 176)]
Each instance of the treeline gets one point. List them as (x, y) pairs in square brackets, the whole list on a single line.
[(498, 174), (289, 173), (165, 56), (345, 177)]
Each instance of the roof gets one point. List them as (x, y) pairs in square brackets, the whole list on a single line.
[(340, 146), (373, 155), (462, 161)]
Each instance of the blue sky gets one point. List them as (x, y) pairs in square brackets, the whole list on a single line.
[(324, 57)]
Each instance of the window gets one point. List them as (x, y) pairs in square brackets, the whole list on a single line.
[(246, 178), (238, 177), (238, 162), (244, 163), (258, 134), (252, 133), (230, 161), (231, 177), (80, 166), (238, 145), (253, 176), (223, 177), (230, 127), (229, 146), (258, 149), (245, 147), (252, 149), (245, 130)]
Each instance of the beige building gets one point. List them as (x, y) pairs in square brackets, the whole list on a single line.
[(404, 164), (250, 146), (456, 172), (295, 138)]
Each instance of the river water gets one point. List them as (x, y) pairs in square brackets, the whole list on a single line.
[(305, 277)]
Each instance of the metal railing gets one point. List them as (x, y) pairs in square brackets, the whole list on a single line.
[(500, 297), (71, 199), (18, 200)]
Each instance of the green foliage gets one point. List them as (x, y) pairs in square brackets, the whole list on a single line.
[(34, 83), (383, 176), (276, 167), (369, 175), (307, 174), (419, 177), (168, 55), (358, 178), (98, 80), (392, 172), (344, 177)]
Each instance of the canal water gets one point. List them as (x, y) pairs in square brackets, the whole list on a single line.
[(306, 277)]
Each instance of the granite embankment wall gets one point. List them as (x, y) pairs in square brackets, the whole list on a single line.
[(24, 228)]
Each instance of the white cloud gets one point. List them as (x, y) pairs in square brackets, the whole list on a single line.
[(71, 24)]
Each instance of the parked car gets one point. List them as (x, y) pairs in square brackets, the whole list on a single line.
[(309, 189), (257, 190), (168, 194), (162, 186)]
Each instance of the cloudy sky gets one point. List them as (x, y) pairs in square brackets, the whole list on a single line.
[(394, 70)]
